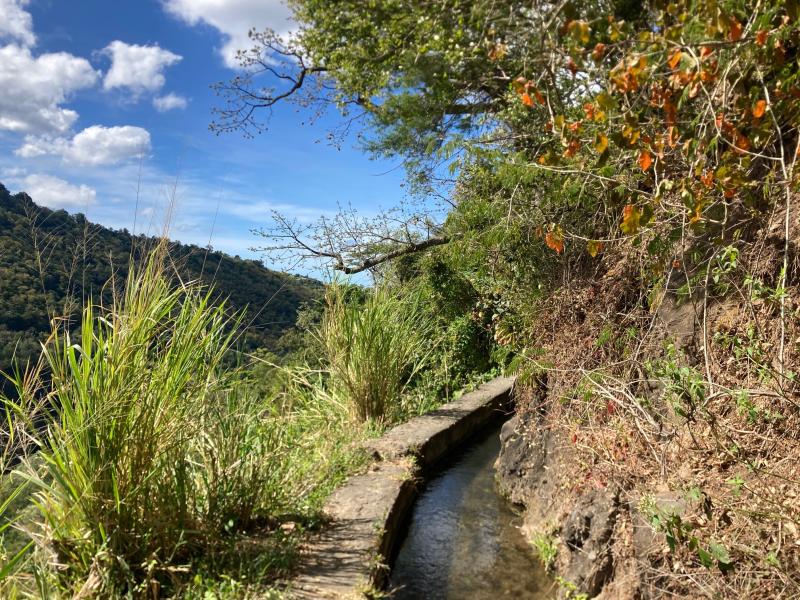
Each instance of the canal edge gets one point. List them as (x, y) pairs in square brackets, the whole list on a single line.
[(367, 514)]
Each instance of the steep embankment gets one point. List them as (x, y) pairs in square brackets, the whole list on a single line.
[(656, 449), (51, 261)]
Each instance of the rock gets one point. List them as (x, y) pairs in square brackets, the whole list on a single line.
[(585, 558)]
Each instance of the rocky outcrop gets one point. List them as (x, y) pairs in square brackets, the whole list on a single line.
[(592, 527), (586, 537)]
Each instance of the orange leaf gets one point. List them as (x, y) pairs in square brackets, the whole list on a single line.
[(555, 240), (645, 160), (538, 95), (741, 142), (706, 51), (672, 136), (761, 37), (526, 99), (598, 52), (675, 59), (630, 219), (759, 109), (707, 178), (735, 32), (594, 247)]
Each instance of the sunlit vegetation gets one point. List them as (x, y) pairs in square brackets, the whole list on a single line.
[(619, 191), (617, 223)]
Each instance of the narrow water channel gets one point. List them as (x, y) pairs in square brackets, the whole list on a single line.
[(463, 542)]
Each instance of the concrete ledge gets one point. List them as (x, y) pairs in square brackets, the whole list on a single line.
[(429, 437), (369, 512)]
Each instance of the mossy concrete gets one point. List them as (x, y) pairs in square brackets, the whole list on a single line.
[(350, 557)]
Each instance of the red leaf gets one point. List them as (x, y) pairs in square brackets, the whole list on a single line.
[(572, 149), (761, 37), (572, 66)]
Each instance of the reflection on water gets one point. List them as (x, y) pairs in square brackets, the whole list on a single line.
[(463, 541)]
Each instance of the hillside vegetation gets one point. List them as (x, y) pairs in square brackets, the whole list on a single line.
[(51, 262), (618, 225), (620, 189)]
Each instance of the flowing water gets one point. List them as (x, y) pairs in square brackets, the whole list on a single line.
[(463, 542)]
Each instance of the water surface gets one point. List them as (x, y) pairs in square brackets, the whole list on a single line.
[(463, 541)]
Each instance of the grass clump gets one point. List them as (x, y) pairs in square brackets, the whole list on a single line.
[(373, 349)]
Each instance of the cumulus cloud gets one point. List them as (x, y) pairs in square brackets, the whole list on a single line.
[(15, 22), (94, 146), (169, 102), (137, 68), (33, 89), (233, 18), (56, 193)]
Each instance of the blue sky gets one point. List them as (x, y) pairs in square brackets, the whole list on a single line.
[(101, 98)]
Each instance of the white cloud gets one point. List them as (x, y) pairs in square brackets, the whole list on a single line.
[(56, 193), (12, 172), (95, 145), (33, 89), (15, 22), (138, 68), (169, 102), (233, 18)]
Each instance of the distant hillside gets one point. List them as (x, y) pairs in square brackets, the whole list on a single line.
[(50, 261)]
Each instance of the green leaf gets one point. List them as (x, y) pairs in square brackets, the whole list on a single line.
[(720, 552), (705, 558)]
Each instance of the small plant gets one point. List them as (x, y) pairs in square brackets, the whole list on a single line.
[(686, 386), (546, 549), (677, 532), (726, 263), (570, 589), (761, 291)]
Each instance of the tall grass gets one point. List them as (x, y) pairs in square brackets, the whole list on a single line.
[(155, 460), (374, 349), (152, 454)]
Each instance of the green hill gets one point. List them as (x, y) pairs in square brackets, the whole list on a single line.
[(51, 261)]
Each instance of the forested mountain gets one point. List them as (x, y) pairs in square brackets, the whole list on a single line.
[(50, 261)]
